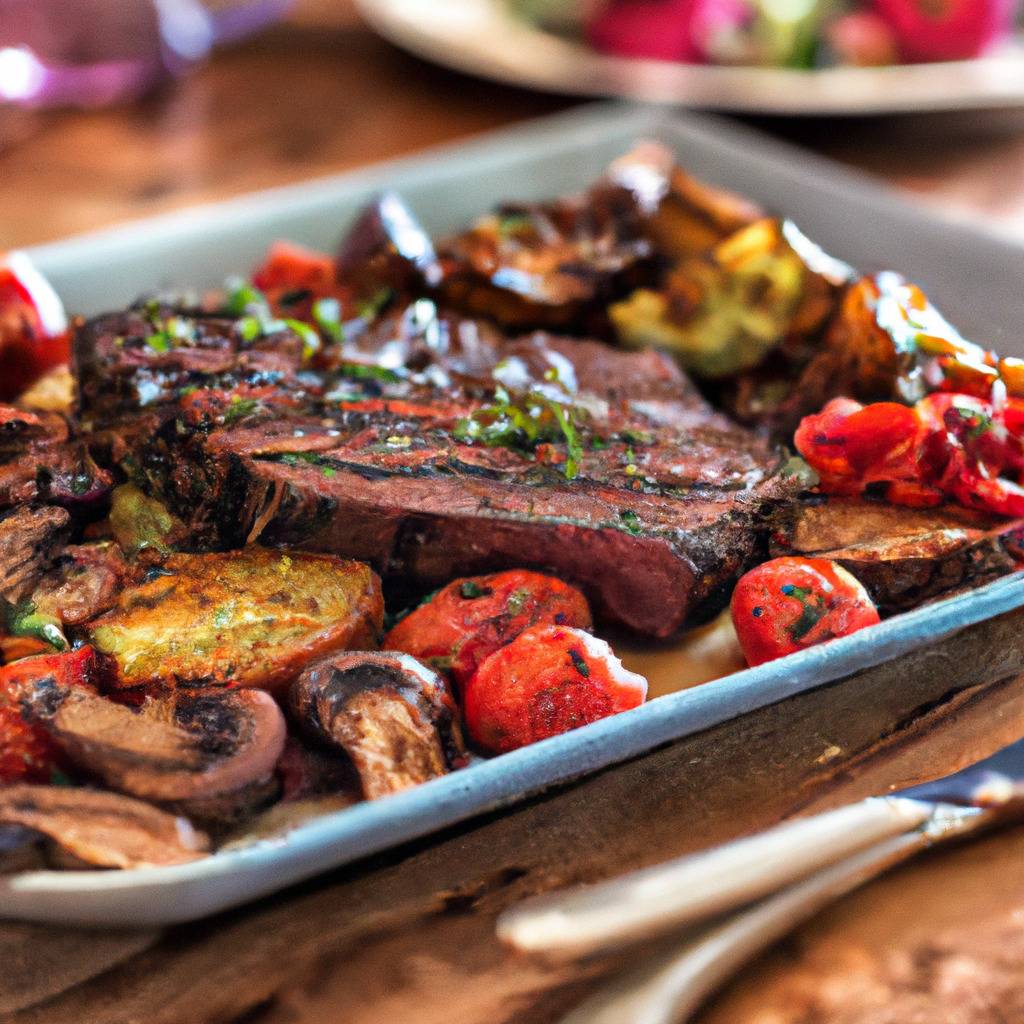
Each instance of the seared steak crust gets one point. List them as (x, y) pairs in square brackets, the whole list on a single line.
[(665, 511)]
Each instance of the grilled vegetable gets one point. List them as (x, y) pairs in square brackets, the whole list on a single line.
[(27, 751), (761, 287), (33, 327), (84, 583), (139, 522), (468, 620), (947, 445), (210, 754), (549, 680), (789, 604), (903, 556), (246, 618), (392, 716), (102, 829)]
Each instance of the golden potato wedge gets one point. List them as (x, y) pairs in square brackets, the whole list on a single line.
[(244, 618)]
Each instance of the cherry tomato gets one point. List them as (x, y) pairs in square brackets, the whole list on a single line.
[(468, 620), (549, 680), (291, 266), (951, 30), (850, 445), (33, 328), (27, 753), (788, 604)]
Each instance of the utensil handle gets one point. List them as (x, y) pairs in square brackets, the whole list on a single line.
[(669, 988), (701, 885)]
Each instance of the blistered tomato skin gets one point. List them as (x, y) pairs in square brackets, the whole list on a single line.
[(468, 620), (549, 680), (789, 604), (27, 753), (33, 328)]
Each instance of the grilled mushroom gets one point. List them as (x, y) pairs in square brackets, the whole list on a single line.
[(209, 754), (102, 829), (394, 717)]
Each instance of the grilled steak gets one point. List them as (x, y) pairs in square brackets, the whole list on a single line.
[(664, 512), (39, 462)]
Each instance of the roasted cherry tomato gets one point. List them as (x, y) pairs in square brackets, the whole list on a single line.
[(27, 753), (549, 680), (850, 445), (291, 266), (468, 620), (33, 328), (948, 445), (788, 604)]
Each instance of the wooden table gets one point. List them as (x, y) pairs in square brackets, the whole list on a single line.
[(408, 936)]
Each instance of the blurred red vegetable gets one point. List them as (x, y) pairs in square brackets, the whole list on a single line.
[(294, 267), (935, 30), (468, 620), (947, 445), (27, 753), (789, 604), (549, 680), (660, 29), (33, 328)]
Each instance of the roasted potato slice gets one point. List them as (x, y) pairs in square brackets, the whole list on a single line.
[(244, 618)]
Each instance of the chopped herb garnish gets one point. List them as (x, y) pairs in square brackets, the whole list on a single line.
[(514, 224), (309, 336), (811, 613), (631, 521), (577, 659), (369, 308), (517, 600), (22, 619), (222, 615), (598, 444), (160, 341), (524, 421), (327, 316), (471, 590), (243, 298), (239, 408), (328, 471), (368, 371), (250, 328)]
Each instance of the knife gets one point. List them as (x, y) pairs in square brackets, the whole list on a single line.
[(700, 886)]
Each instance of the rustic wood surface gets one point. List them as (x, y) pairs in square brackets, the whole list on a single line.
[(408, 937)]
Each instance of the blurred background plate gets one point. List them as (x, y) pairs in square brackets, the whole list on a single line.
[(482, 38)]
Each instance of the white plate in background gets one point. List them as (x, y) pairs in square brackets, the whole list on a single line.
[(481, 37)]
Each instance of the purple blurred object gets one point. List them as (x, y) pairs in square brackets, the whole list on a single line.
[(89, 53)]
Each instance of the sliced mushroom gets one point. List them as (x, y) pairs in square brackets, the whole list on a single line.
[(102, 829), (210, 754), (394, 717)]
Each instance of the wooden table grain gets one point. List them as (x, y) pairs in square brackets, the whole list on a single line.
[(407, 938)]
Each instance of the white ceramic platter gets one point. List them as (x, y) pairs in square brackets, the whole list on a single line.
[(974, 276), (482, 38)]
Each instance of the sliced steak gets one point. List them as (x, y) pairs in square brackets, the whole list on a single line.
[(30, 540), (666, 510), (39, 462)]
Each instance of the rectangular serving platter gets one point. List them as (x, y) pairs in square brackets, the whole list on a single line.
[(973, 275)]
